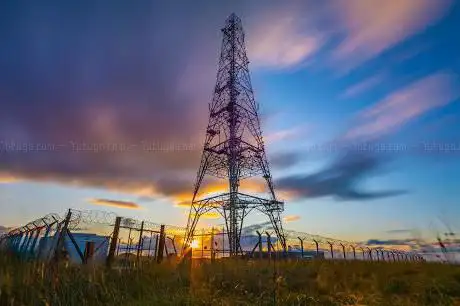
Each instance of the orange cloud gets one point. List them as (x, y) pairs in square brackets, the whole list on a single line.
[(253, 185), (115, 203), (211, 215), (291, 218), (8, 178)]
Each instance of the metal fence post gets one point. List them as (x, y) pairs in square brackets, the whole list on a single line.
[(332, 250), (260, 244), (140, 245), (269, 245), (301, 246), (317, 247), (61, 236), (343, 250)]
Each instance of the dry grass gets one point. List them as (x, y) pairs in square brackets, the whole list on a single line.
[(231, 282)]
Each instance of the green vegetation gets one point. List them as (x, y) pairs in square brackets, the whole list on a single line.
[(231, 282)]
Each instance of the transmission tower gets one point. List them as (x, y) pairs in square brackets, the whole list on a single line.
[(234, 147)]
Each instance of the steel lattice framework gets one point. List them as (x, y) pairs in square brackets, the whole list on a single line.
[(234, 148)]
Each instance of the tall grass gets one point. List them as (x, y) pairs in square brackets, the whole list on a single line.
[(231, 282)]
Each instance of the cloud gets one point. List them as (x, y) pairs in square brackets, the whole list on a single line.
[(291, 218), (372, 26), (399, 243), (286, 134), (6, 178), (340, 179), (115, 203), (103, 106), (251, 229), (284, 37), (117, 97), (211, 215), (284, 159), (362, 86), (404, 105), (399, 231)]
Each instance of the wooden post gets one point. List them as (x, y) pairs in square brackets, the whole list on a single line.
[(113, 242), (161, 244), (89, 251)]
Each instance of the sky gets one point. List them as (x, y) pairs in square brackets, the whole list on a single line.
[(104, 105)]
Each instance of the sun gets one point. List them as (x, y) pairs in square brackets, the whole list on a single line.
[(194, 244)]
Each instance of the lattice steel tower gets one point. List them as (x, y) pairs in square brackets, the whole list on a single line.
[(234, 148)]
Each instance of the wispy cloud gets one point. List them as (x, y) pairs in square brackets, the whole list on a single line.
[(291, 218), (340, 179), (399, 231), (282, 39), (373, 26), (211, 215), (7, 178), (404, 105), (363, 86), (284, 159), (115, 203), (285, 134)]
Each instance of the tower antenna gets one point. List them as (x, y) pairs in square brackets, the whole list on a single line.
[(234, 148)]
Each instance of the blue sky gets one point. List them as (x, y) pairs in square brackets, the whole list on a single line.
[(328, 76)]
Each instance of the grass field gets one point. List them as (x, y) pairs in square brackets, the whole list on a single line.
[(231, 282)]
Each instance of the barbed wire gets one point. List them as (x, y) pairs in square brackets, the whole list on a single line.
[(80, 217)]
